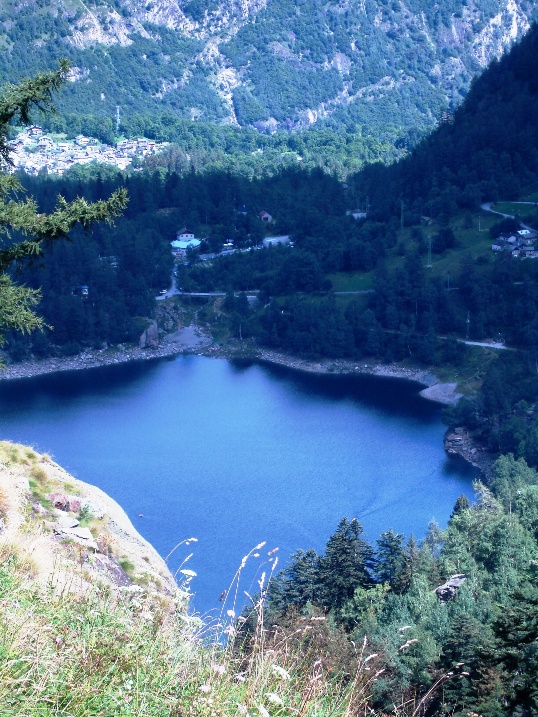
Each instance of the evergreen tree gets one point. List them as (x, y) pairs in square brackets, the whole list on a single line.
[(516, 638), (297, 584), (345, 566), (462, 503), (390, 560), (21, 218)]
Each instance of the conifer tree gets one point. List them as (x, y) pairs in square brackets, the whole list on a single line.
[(297, 584), (390, 561), (346, 564), (24, 231), (461, 504)]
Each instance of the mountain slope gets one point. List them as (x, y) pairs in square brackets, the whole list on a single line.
[(389, 66), (488, 152)]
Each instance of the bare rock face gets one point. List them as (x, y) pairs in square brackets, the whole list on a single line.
[(66, 521), (447, 591), (81, 536), (150, 337), (59, 546)]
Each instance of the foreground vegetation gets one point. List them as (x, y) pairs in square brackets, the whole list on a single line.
[(357, 629), (93, 650)]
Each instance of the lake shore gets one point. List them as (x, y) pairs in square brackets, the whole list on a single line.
[(186, 340), (192, 339), (435, 390)]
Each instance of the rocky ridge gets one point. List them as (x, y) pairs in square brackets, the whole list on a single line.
[(73, 533), (461, 443)]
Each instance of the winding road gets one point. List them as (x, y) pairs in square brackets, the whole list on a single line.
[(487, 208)]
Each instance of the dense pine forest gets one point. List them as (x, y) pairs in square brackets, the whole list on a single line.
[(426, 208)]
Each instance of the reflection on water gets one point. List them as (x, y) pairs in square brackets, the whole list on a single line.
[(238, 453)]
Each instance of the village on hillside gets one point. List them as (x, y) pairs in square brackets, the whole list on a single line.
[(33, 152), (520, 244)]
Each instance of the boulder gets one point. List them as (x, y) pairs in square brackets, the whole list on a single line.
[(59, 500), (81, 536), (150, 337), (66, 521), (447, 591)]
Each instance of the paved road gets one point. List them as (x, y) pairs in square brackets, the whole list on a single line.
[(489, 345), (172, 291), (487, 208)]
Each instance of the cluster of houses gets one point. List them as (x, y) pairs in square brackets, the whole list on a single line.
[(520, 244), (33, 151)]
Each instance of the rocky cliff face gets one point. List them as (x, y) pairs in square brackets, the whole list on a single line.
[(284, 64), (75, 535)]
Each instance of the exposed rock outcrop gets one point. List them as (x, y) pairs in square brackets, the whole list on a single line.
[(150, 337), (73, 529), (80, 536), (447, 591), (460, 442)]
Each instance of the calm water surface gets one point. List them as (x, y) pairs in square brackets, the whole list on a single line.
[(234, 454)]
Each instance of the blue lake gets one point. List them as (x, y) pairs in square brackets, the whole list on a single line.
[(238, 453)]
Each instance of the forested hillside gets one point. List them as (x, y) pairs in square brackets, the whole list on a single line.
[(384, 69), (452, 622), (489, 151), (412, 311)]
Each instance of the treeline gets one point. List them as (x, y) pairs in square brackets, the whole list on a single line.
[(407, 314), (200, 146), (472, 650)]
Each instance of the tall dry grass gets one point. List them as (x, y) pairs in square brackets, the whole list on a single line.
[(126, 652)]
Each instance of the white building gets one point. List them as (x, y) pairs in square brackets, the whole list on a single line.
[(180, 246)]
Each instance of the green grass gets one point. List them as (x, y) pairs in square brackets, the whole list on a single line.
[(472, 242), (107, 654), (351, 281), (127, 566), (512, 208)]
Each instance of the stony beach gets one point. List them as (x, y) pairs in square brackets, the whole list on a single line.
[(192, 339), (434, 390), (186, 340)]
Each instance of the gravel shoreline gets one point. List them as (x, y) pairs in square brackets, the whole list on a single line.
[(195, 341), (189, 339), (87, 359), (435, 390)]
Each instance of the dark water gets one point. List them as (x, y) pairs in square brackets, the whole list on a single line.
[(234, 454)]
